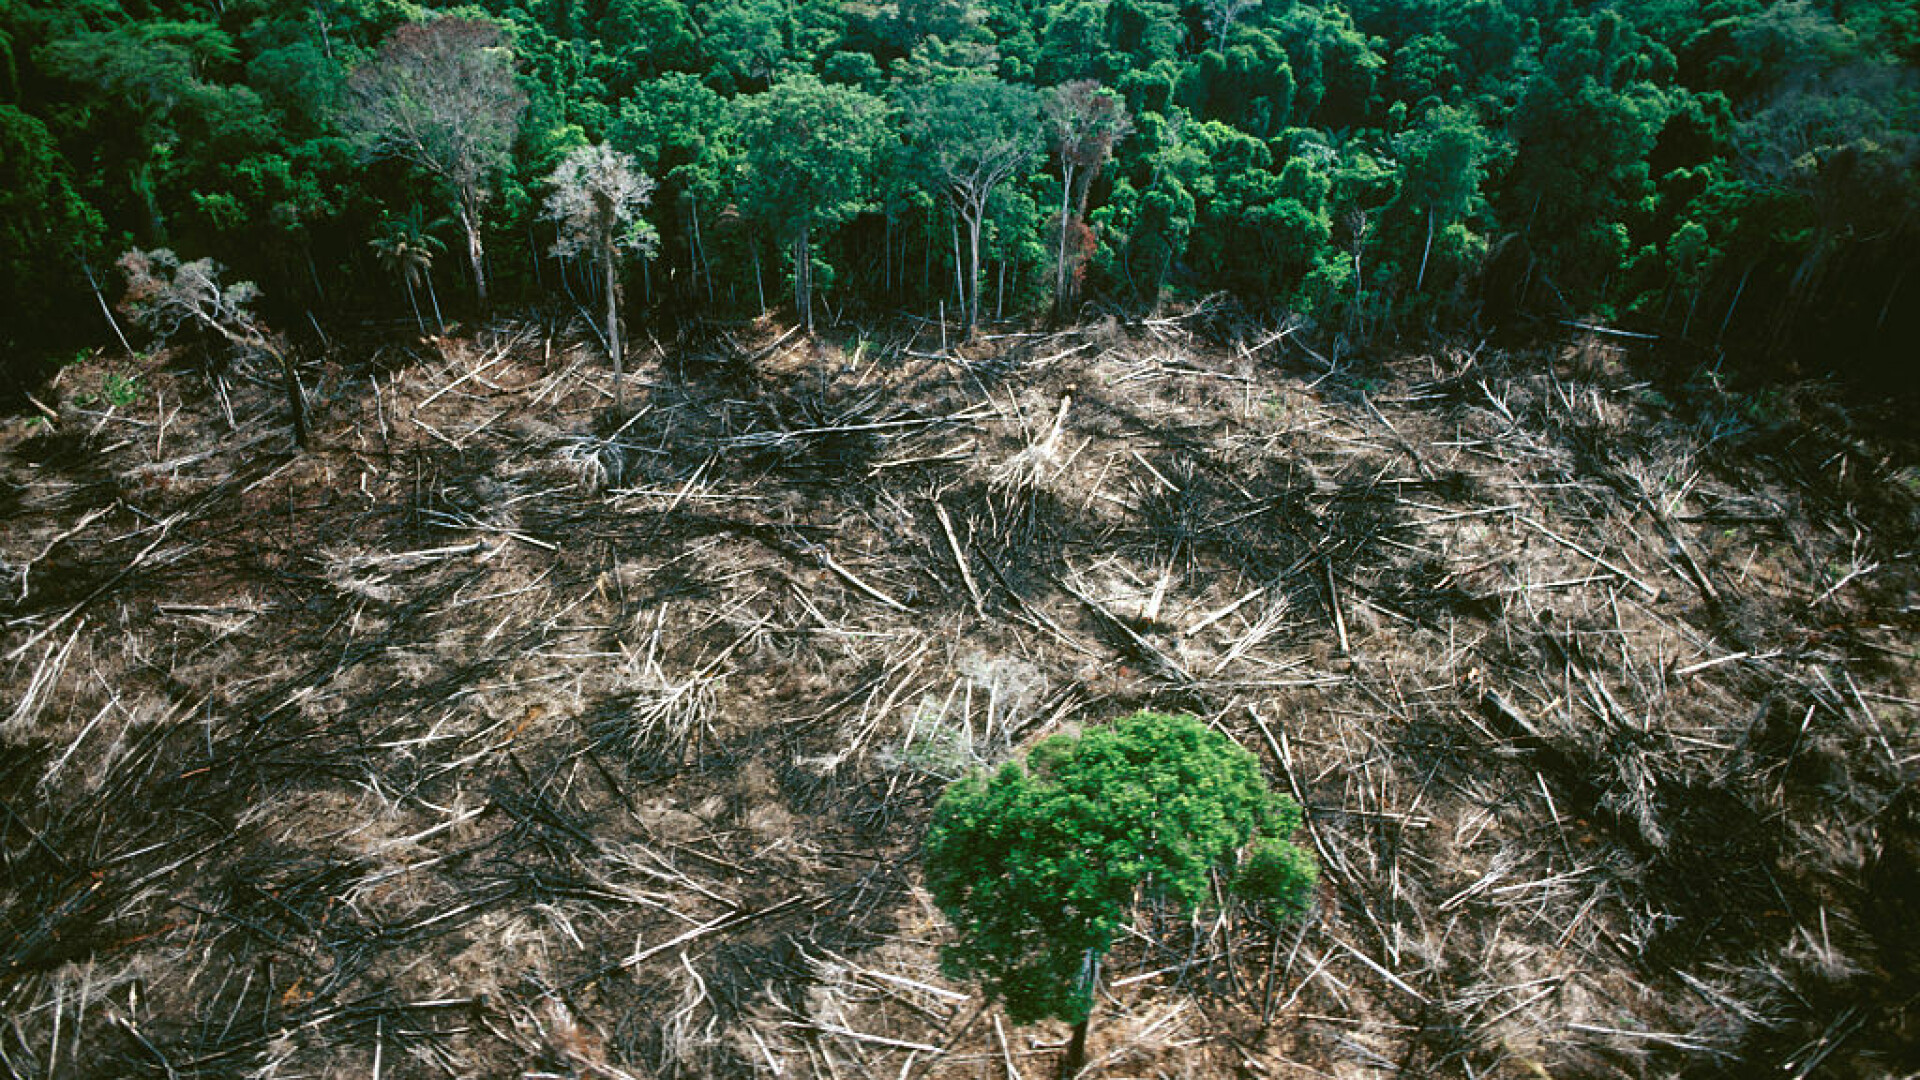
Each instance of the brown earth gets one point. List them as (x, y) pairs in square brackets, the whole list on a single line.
[(502, 737)]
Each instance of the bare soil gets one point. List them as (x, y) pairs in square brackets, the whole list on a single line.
[(502, 735)]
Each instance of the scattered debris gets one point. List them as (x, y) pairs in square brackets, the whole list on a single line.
[(504, 735)]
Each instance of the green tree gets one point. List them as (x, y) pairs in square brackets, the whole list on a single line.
[(1443, 163), (46, 228), (1334, 66), (156, 113), (1039, 867), (1072, 41), (676, 129), (406, 249), (1247, 83), (641, 38), (747, 40), (972, 135), (1584, 127), (1256, 231), (809, 151)]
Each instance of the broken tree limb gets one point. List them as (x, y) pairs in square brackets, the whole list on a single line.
[(850, 579), (1652, 593), (960, 559)]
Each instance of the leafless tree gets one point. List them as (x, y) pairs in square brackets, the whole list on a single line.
[(442, 95), (1083, 121), (1222, 14), (597, 196), (164, 295)]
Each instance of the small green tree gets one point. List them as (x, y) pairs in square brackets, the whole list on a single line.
[(406, 249), (1039, 867)]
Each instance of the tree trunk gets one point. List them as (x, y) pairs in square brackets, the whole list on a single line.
[(1732, 307), (434, 295), (105, 309), (1060, 287), (1076, 1058), (143, 188), (759, 286), (700, 247), (803, 279), (959, 264), (476, 254), (1160, 273), (313, 272), (296, 400), (613, 326), (413, 301), (974, 216), (1887, 304), (253, 339), (1421, 278)]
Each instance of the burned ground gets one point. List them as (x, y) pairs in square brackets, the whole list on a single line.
[(504, 735)]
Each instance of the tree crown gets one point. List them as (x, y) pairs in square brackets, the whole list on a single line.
[(596, 198), (442, 95), (809, 151)]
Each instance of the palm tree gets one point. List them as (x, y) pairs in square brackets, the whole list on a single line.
[(406, 248)]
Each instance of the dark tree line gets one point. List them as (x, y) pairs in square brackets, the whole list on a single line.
[(1738, 172)]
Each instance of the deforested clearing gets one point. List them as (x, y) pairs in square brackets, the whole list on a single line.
[(505, 735)]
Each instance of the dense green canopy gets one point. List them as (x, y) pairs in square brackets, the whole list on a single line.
[(1744, 172)]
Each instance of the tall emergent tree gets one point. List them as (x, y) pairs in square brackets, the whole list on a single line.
[(596, 199), (165, 294), (1083, 122), (442, 96), (809, 158), (1039, 867), (973, 134)]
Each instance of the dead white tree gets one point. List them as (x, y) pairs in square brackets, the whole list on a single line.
[(164, 295), (597, 196), (1222, 14)]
